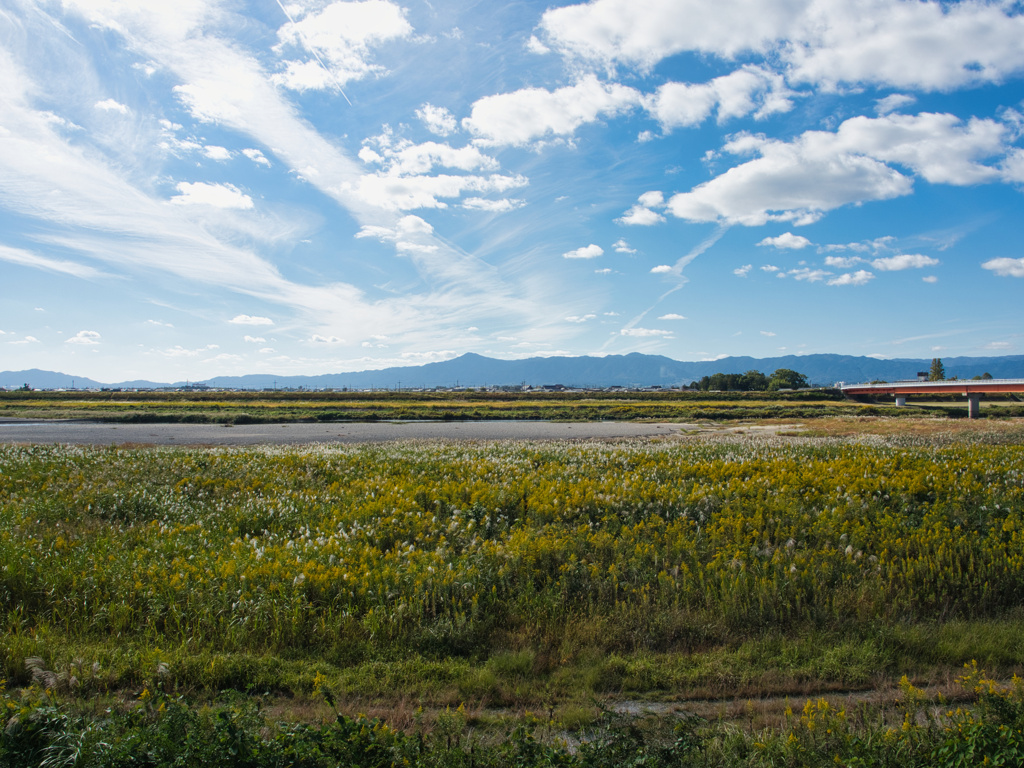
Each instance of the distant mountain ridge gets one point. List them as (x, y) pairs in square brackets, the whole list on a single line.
[(634, 369)]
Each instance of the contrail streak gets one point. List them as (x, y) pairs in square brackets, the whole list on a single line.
[(677, 272), (312, 50)]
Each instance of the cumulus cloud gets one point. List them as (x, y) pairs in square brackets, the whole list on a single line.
[(438, 120), (524, 116), (109, 105), (405, 193), (254, 339), (740, 93), (743, 271), (819, 171), (1005, 266), (661, 269), (860, 277), (642, 214), (842, 262), (640, 34), (787, 240), (401, 156), (317, 338), (250, 320), (492, 206), (580, 318), (809, 275), (621, 246), (406, 227), (586, 252), (339, 38), (904, 261), (405, 181), (672, 316), (215, 195), (256, 156), (923, 45), (85, 338), (217, 153)]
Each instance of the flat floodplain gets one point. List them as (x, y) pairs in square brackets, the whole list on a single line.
[(828, 559)]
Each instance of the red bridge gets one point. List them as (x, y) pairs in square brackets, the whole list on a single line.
[(972, 389)]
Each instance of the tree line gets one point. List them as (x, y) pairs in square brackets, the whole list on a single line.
[(751, 381)]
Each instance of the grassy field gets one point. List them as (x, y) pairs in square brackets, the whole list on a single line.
[(272, 595), (273, 407)]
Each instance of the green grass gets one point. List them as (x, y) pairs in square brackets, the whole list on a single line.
[(559, 579)]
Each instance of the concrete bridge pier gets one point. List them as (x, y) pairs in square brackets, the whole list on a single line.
[(901, 400), (973, 405)]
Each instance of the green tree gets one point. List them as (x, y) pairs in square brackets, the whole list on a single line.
[(787, 378), (938, 371)]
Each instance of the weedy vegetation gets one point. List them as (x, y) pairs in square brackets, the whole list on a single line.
[(244, 606)]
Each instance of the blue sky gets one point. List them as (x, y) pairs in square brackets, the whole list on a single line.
[(191, 189)]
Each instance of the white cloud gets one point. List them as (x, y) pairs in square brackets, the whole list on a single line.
[(904, 261), (842, 262), (524, 116), (641, 332), (109, 105), (924, 45), (254, 340), (893, 102), (339, 38), (769, 268), (438, 120), (661, 269), (808, 274), (84, 337), (580, 318), (930, 279), (740, 93), (492, 206), (402, 157), (316, 338), (860, 277), (743, 271), (787, 240), (586, 252), (672, 316), (638, 216), (217, 153), (605, 271), (34, 260), (819, 171), (404, 193), (256, 156), (640, 33), (215, 195), (406, 227), (250, 320), (1005, 266), (621, 246), (641, 214), (768, 333)]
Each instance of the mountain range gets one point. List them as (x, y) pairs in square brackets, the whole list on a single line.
[(472, 370)]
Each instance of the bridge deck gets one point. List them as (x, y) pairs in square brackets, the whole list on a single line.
[(965, 387)]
